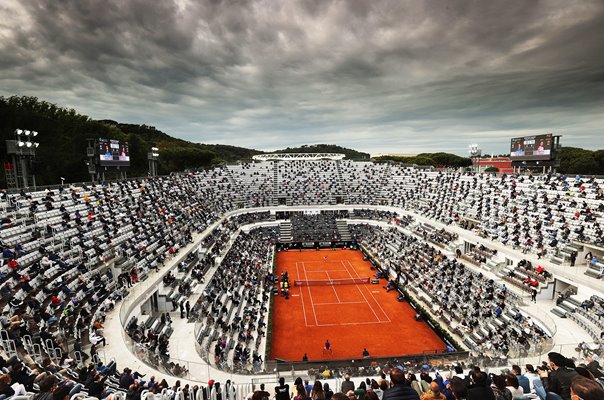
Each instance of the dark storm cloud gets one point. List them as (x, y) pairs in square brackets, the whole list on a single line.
[(376, 75)]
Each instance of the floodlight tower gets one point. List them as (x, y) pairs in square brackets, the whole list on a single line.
[(153, 157), (475, 153), (22, 151)]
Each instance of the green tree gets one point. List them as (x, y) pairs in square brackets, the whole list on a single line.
[(599, 158), (63, 135), (326, 148), (436, 159), (574, 160), (423, 161)]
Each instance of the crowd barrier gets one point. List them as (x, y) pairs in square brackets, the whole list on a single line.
[(367, 366)]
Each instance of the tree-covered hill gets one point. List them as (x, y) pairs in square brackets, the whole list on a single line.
[(574, 160), (431, 159), (150, 134), (326, 148), (63, 135)]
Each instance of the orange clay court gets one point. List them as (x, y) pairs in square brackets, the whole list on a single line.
[(351, 316)]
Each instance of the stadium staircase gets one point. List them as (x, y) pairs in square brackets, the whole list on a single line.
[(454, 245), (566, 307), (285, 232), (275, 183), (557, 259), (559, 311), (229, 175), (344, 193), (239, 198), (384, 180), (563, 255), (593, 270), (494, 265), (343, 230), (278, 199)]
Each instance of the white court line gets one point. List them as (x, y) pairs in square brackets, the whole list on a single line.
[(342, 302), (334, 289), (301, 296), (370, 292), (356, 323), (374, 299), (361, 292), (328, 270), (323, 262), (310, 294)]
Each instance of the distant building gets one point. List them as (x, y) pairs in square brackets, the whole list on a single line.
[(504, 164)]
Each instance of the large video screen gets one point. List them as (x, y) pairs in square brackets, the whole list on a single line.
[(537, 147), (113, 153)]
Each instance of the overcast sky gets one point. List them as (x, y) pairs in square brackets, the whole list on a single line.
[(378, 76)]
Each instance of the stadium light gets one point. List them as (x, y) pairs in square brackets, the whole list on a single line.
[(23, 151), (475, 153), (153, 156)]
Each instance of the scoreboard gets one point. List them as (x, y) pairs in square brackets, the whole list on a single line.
[(113, 153), (539, 147)]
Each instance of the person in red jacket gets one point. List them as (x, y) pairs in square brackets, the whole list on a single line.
[(13, 263)]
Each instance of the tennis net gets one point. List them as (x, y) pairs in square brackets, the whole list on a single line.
[(332, 282)]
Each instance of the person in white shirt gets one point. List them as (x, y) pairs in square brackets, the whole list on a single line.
[(511, 383), (45, 262), (96, 339), (459, 372), (230, 390)]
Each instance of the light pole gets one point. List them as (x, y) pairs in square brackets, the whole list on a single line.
[(23, 150), (153, 157), (475, 154)]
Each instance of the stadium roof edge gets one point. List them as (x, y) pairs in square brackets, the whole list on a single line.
[(298, 156)]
